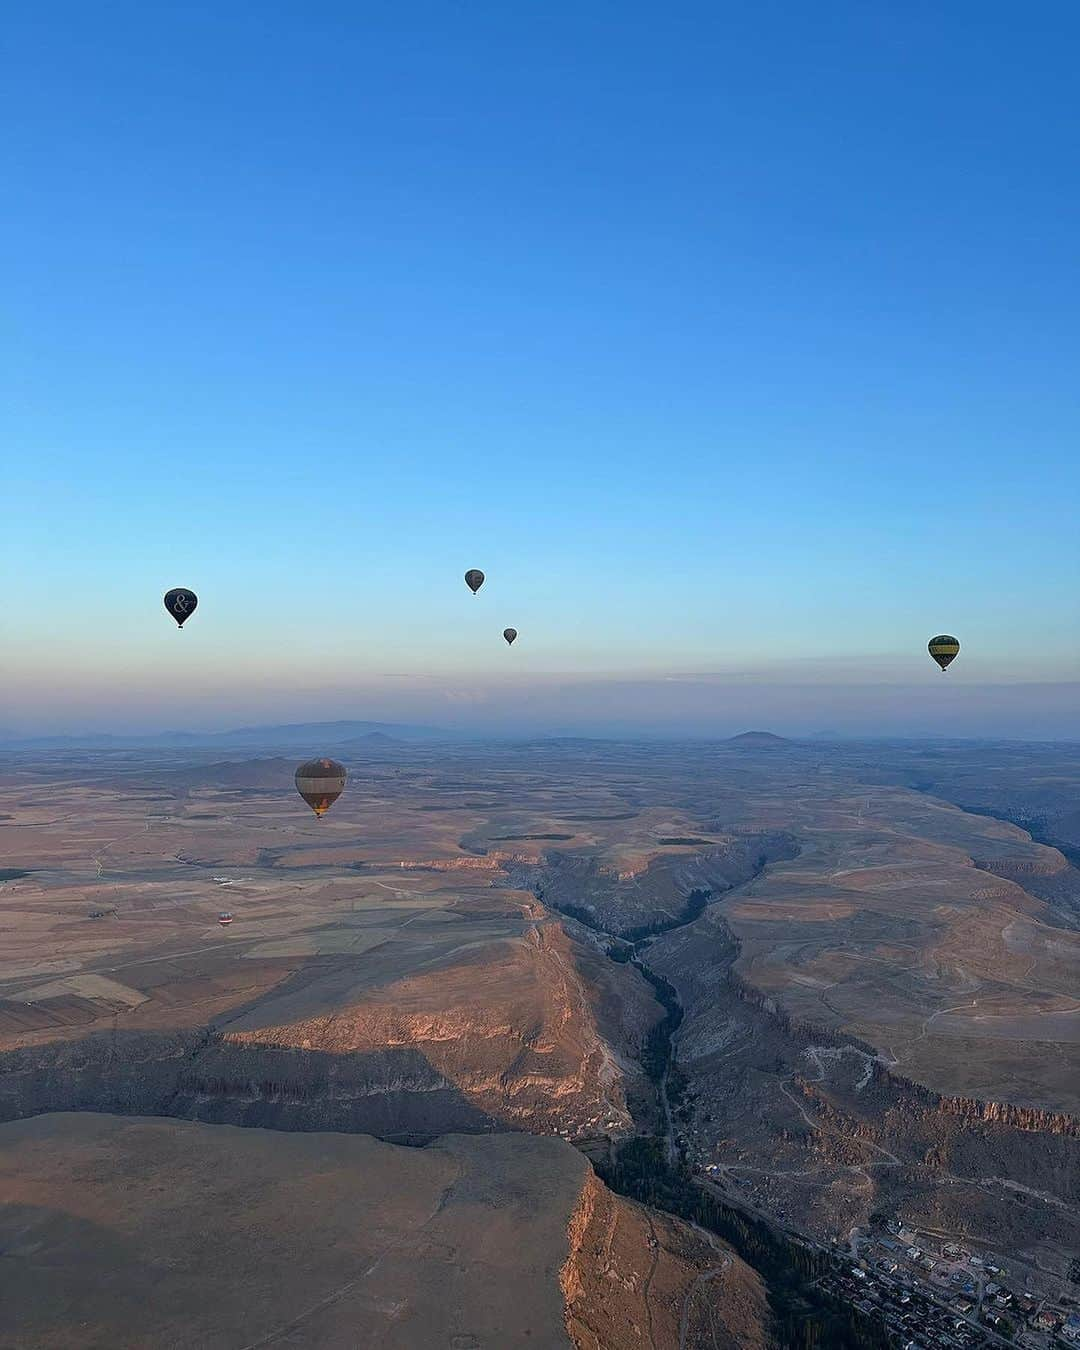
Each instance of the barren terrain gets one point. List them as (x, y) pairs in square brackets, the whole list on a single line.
[(126, 1232), (878, 991)]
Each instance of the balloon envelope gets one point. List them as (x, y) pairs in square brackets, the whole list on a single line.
[(510, 634), (180, 602), (320, 782), (943, 649), (474, 579)]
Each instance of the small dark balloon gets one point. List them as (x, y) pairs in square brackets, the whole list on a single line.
[(944, 649), (320, 782), (180, 602), (474, 579), (510, 634)]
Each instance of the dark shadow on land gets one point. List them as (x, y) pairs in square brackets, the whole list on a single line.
[(395, 1093), (35, 1243)]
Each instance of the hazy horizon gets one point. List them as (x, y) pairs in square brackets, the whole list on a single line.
[(677, 706)]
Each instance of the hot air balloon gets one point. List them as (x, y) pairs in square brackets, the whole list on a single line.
[(510, 634), (943, 649), (180, 602), (320, 782), (224, 918), (474, 579)]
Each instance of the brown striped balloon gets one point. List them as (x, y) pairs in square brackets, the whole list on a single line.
[(320, 782)]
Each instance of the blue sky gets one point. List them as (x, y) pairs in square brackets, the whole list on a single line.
[(736, 341)]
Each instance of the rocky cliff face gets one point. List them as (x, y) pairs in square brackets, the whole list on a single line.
[(971, 1139), (999, 1174), (540, 1033), (635, 1276), (1027, 1118), (542, 1036)]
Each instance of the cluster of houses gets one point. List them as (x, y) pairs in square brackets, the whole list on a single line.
[(915, 1320), (1062, 1323), (939, 1296), (948, 1297)]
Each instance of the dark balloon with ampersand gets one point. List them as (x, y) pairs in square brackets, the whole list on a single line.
[(474, 579), (510, 634), (180, 602)]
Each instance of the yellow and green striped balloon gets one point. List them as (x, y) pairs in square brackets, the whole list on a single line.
[(943, 649)]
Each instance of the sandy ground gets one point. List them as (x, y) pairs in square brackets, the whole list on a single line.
[(135, 1233)]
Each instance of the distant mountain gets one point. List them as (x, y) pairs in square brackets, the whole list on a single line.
[(321, 736), (373, 739), (314, 737), (758, 739)]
